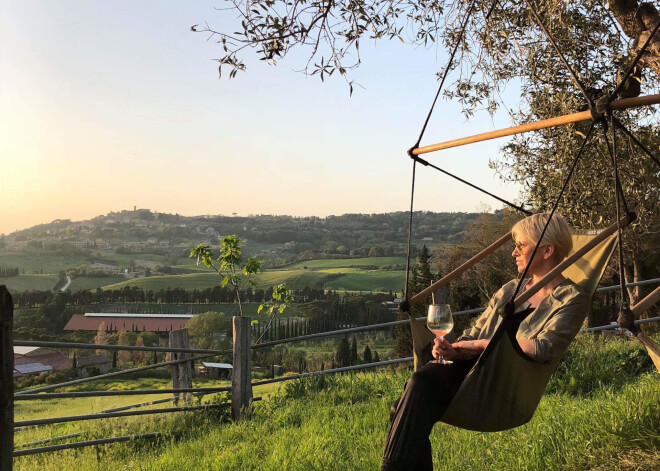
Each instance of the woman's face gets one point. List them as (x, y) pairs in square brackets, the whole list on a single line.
[(522, 252)]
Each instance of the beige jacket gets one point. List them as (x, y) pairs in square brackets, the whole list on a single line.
[(551, 326)]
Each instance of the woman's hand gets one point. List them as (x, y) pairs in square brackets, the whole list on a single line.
[(442, 349)]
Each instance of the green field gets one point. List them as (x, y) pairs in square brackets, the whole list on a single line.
[(29, 282), (348, 262), (318, 274), (41, 261), (80, 283), (293, 279), (128, 259), (351, 279)]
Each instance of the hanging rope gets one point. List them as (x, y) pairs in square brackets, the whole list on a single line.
[(559, 53), (445, 74), (404, 305), (635, 140), (410, 221), (510, 306), (613, 158), (633, 65), (448, 68), (625, 299), (512, 205)]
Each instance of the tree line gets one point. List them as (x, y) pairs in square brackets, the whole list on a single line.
[(7, 272), (332, 313), (133, 294)]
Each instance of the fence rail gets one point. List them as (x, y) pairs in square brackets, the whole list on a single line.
[(102, 441), (133, 348), (132, 392), (108, 415), (615, 325), (334, 370)]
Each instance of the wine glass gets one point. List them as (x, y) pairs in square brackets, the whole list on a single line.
[(440, 322)]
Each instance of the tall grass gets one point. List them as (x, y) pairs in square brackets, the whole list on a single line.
[(340, 423)]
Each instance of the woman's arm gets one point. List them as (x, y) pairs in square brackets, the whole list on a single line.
[(560, 329), (528, 347), (462, 350)]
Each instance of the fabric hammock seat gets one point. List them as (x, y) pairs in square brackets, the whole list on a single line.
[(504, 387)]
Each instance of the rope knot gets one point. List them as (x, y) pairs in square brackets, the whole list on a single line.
[(404, 306), (509, 309), (626, 320), (599, 110)]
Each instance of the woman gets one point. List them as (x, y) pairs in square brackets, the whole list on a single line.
[(547, 323)]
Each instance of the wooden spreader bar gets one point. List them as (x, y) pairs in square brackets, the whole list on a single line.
[(616, 105), (460, 270)]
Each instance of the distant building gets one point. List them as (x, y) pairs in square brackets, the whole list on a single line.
[(86, 365), (102, 244), (136, 246), (216, 370), (393, 305), (105, 268), (83, 243), (36, 360)]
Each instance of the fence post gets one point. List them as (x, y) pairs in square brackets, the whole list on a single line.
[(241, 381), (182, 372), (6, 380)]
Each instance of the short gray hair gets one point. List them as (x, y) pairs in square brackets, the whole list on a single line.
[(558, 233)]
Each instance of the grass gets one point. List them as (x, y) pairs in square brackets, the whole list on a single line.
[(80, 283), (348, 262), (29, 282), (128, 259), (41, 260), (293, 279), (349, 279), (340, 422)]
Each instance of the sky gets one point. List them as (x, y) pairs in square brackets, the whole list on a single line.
[(109, 105)]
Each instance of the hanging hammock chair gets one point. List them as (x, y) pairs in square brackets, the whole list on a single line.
[(505, 386)]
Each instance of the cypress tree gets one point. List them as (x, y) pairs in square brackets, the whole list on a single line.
[(343, 354), (367, 354), (354, 354)]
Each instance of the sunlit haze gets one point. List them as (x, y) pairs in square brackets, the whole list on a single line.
[(108, 105)]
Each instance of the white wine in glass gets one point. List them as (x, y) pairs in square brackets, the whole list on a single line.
[(440, 322)]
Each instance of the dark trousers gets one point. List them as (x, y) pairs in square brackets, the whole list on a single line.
[(426, 396)]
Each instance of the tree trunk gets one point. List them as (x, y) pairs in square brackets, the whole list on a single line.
[(637, 21)]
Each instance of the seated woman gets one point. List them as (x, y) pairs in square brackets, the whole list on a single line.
[(547, 324)]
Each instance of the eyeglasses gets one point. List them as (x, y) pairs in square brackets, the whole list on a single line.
[(519, 247)]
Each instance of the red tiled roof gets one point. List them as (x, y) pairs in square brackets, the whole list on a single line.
[(115, 323)]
